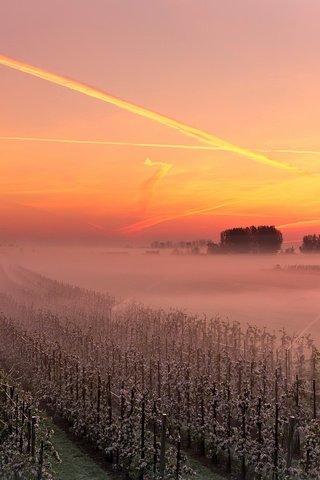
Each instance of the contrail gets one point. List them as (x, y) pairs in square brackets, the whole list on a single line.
[(148, 186), (150, 145), (96, 226), (301, 222), (112, 143), (143, 112), (150, 222), (301, 152)]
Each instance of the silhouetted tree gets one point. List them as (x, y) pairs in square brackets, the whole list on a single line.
[(261, 239), (268, 239), (310, 244), (237, 240)]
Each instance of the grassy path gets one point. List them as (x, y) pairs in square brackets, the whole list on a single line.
[(203, 472), (75, 465)]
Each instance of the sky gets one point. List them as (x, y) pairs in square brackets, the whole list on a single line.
[(240, 73)]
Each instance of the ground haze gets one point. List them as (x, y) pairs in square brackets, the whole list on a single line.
[(244, 288)]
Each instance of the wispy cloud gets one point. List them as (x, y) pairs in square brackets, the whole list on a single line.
[(148, 185)]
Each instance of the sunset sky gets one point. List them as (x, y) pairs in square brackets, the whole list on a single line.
[(240, 78)]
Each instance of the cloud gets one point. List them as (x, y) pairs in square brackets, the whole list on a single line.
[(148, 185)]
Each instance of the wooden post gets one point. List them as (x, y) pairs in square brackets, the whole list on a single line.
[(155, 456), (229, 460), (163, 446), (150, 376), (314, 399), (142, 373), (188, 408), (215, 403), (243, 459), (276, 443), (29, 431), (109, 399), (98, 398), (202, 441), (142, 451), (33, 436), (290, 441), (77, 381), (178, 456), (159, 380)]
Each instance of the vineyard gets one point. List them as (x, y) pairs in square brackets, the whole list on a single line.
[(151, 388), (26, 451)]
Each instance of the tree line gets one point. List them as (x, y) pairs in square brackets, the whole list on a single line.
[(260, 239)]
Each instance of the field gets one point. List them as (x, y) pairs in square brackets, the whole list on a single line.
[(111, 346)]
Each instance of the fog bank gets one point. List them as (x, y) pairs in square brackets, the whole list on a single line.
[(244, 288)]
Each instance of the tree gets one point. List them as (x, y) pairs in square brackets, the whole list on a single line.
[(236, 240), (261, 239), (267, 239), (310, 244)]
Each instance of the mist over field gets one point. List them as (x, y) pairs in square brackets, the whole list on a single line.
[(244, 288)]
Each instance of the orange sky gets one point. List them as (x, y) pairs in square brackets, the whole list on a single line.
[(245, 72)]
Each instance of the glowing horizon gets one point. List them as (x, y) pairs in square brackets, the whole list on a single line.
[(73, 156)]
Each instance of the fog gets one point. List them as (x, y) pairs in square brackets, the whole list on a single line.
[(244, 288)]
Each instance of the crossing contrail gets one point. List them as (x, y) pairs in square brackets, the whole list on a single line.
[(300, 222), (150, 222), (188, 130), (151, 145), (111, 143)]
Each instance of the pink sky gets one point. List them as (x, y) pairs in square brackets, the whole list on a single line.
[(245, 71)]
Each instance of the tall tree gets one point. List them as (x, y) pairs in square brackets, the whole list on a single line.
[(261, 239), (236, 240), (268, 239), (310, 244)]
